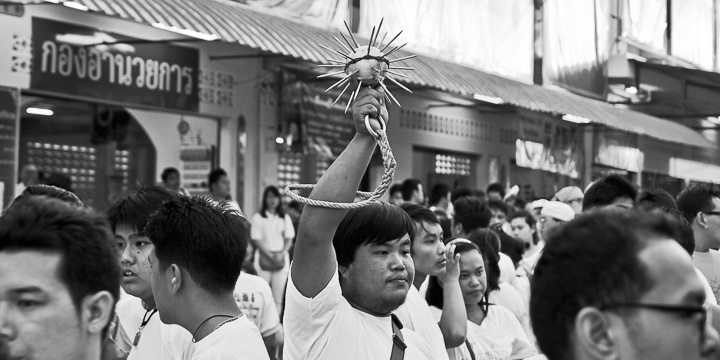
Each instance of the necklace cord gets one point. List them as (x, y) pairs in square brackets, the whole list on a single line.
[(206, 320)]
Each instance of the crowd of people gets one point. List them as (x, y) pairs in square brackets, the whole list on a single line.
[(461, 274)]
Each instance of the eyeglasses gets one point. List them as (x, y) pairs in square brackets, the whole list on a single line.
[(687, 311), (711, 212)]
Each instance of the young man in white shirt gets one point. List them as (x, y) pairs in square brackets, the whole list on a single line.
[(431, 259), (58, 281), (151, 338), (351, 269), (199, 248), (255, 299)]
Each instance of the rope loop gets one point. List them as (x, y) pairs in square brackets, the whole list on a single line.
[(389, 164)]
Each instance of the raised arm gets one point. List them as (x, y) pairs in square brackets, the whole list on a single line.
[(314, 261), (453, 322)]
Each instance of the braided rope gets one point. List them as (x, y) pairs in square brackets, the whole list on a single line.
[(388, 163)]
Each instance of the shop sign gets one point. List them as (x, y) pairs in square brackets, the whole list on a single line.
[(617, 149), (151, 74), (548, 144), (8, 143)]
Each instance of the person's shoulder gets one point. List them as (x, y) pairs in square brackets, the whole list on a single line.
[(501, 313), (255, 281)]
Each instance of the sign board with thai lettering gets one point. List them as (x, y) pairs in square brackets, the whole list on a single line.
[(66, 60), (8, 143)]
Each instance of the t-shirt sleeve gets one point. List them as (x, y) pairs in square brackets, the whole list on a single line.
[(256, 227), (289, 228)]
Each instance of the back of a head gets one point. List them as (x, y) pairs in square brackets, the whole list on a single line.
[(461, 192), (591, 261), (376, 223), (408, 187), (606, 190), (208, 240), (696, 198), (82, 238), (59, 180), (657, 199), (134, 208), (438, 192), (472, 213), (50, 192)]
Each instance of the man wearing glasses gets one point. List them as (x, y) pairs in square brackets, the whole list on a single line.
[(629, 292), (700, 205)]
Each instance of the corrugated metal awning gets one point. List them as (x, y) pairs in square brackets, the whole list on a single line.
[(237, 23)]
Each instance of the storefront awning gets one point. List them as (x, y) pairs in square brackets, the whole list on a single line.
[(237, 23)]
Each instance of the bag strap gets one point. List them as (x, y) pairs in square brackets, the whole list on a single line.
[(399, 346)]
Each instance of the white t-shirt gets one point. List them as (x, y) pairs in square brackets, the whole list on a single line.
[(522, 285), (530, 262), (709, 295), (499, 337), (327, 327), (272, 230), (709, 264), (507, 269), (415, 315), (254, 298), (157, 340), (235, 339), (511, 299)]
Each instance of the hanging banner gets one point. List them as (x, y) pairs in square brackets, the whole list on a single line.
[(8, 144), (548, 144), (617, 149), (153, 74)]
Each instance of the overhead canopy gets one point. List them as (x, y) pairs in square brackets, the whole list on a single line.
[(237, 23)]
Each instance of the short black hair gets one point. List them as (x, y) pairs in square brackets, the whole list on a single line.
[(208, 239), (135, 208), (419, 213), (529, 220), (167, 171), (408, 187), (657, 199), (608, 189), (395, 188), (215, 176), (376, 223), (595, 258), (50, 192), (495, 204), (496, 187), (271, 189), (462, 192), (696, 198), (489, 244), (59, 180), (472, 213), (445, 223), (509, 245), (88, 262), (438, 192)]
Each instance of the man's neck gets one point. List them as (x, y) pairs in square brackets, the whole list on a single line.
[(419, 279), (201, 309), (93, 352), (702, 244)]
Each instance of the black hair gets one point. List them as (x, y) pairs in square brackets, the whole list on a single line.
[(376, 223), (496, 205), (509, 245), (209, 240), (595, 258), (462, 192), (496, 187), (472, 213), (419, 213), (445, 223), (434, 294), (519, 203), (59, 180), (657, 199), (134, 208), (395, 188), (489, 244), (529, 220), (686, 238), (49, 192), (696, 198), (408, 187), (167, 171), (215, 176), (263, 207), (438, 192), (608, 189), (88, 262)]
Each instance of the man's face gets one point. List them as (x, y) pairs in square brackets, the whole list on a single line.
[(522, 231), (380, 276), (38, 320), (396, 198), (473, 277), (494, 195), (172, 181), (428, 250), (713, 224), (498, 217), (134, 250), (418, 195), (222, 187), (650, 334), (547, 223)]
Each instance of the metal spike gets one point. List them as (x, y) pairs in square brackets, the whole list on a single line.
[(372, 34), (342, 45), (381, 40), (346, 40), (397, 73), (398, 84), (335, 51), (358, 90), (378, 31), (389, 93), (351, 35), (341, 94), (342, 80), (403, 58), (331, 74), (391, 41), (349, 102), (332, 65), (396, 49), (335, 61), (403, 68)]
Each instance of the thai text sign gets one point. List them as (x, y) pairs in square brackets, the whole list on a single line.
[(548, 144), (154, 74)]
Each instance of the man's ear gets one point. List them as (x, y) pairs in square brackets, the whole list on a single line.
[(595, 334), (701, 221), (176, 278), (457, 229), (97, 310)]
